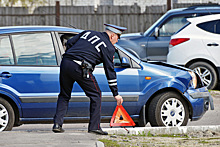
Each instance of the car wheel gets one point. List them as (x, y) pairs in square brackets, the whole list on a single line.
[(7, 117), (207, 73), (168, 109)]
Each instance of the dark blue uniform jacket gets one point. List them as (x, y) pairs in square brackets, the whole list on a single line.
[(95, 48)]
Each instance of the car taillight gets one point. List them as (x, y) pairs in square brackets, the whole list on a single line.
[(174, 42)]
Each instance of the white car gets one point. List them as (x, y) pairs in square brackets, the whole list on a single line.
[(197, 46)]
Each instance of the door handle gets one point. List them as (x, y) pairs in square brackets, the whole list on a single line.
[(212, 44), (5, 75)]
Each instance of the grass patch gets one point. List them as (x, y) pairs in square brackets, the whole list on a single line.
[(109, 143), (173, 135), (213, 138), (203, 142), (149, 134), (142, 134)]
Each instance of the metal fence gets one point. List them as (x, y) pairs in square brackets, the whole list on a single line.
[(85, 17)]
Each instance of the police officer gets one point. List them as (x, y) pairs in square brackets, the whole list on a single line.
[(83, 53)]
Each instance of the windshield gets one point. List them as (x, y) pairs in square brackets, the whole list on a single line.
[(148, 30), (188, 23), (159, 20), (137, 60)]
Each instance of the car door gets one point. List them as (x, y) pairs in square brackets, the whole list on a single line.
[(128, 86), (157, 47), (32, 73)]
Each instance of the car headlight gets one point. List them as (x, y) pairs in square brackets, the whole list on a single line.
[(193, 82)]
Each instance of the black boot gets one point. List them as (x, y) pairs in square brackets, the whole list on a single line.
[(99, 132), (57, 128)]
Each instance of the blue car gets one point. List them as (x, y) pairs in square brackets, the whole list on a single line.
[(155, 92)]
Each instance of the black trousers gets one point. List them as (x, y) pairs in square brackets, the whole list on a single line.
[(71, 72)]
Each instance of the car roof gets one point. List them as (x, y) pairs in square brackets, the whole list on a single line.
[(204, 7), (196, 9), (176, 10), (18, 29), (204, 18)]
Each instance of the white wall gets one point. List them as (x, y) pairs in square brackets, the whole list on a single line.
[(141, 3)]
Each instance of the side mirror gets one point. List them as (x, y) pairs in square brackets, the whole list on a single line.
[(156, 32), (125, 62)]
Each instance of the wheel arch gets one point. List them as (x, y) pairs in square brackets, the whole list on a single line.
[(202, 60), (169, 89), (15, 108)]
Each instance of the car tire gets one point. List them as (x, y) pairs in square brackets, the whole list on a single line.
[(142, 118), (161, 114), (207, 73), (7, 117)]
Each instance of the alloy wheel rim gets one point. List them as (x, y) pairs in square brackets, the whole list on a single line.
[(4, 117), (172, 112), (205, 75)]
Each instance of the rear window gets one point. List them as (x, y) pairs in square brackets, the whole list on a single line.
[(210, 26), (6, 55), (34, 49)]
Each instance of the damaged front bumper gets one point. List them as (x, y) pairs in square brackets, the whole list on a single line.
[(200, 100), (205, 95)]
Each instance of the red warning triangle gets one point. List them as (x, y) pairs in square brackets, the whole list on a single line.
[(120, 117)]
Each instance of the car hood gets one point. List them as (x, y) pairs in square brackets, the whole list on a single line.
[(168, 65), (131, 36), (168, 72)]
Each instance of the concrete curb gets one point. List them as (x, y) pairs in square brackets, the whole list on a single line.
[(161, 130), (99, 144)]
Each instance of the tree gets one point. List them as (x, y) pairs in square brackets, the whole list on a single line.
[(24, 3)]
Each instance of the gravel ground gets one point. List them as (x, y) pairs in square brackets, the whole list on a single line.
[(195, 139)]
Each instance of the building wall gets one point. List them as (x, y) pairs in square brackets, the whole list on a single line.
[(96, 3), (84, 17), (125, 2), (141, 3)]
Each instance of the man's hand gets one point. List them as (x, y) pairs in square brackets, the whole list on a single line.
[(119, 100)]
